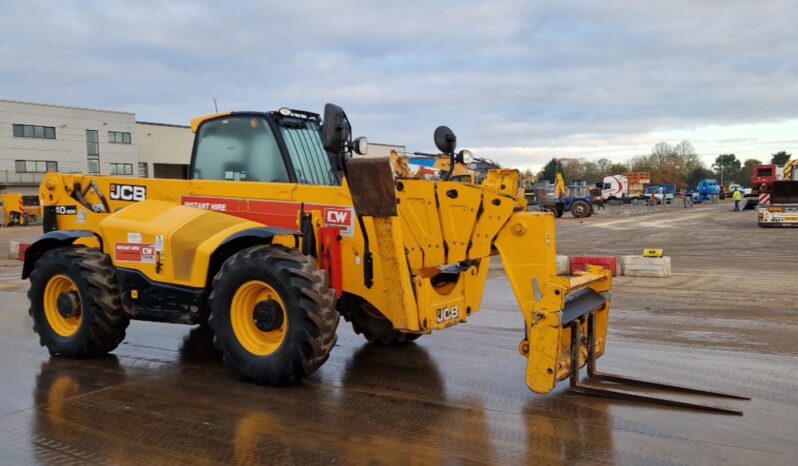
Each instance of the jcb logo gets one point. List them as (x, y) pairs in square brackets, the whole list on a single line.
[(447, 313), (127, 192)]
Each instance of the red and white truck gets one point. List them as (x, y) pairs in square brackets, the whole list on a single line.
[(762, 180), (783, 208), (627, 187)]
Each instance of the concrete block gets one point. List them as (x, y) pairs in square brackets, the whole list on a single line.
[(13, 250), (563, 265), (580, 263), (639, 266)]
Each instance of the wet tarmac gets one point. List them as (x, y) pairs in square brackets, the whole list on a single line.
[(455, 397)]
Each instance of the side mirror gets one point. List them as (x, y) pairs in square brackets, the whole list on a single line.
[(445, 140), (335, 129), (361, 145)]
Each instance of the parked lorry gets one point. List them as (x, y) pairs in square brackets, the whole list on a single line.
[(707, 190), (628, 187), (764, 176), (662, 193), (783, 208), (762, 181)]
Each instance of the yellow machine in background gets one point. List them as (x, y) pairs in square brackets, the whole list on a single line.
[(280, 230), (444, 167), (19, 209)]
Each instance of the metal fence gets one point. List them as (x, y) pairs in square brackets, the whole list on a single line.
[(642, 207), (9, 178)]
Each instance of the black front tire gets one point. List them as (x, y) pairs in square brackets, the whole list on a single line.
[(309, 312), (102, 320)]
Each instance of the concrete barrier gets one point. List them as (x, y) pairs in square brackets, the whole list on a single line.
[(13, 250), (563, 265), (639, 266), (580, 263)]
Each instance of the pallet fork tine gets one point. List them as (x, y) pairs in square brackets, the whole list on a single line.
[(607, 392)]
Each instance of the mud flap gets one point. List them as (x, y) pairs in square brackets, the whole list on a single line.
[(371, 186)]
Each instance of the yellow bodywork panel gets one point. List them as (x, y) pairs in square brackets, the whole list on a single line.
[(458, 209), (196, 122), (167, 242), (421, 224)]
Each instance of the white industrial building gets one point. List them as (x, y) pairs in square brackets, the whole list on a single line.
[(37, 138), (164, 151)]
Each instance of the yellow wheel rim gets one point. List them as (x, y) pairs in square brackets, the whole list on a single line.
[(64, 326), (253, 339)]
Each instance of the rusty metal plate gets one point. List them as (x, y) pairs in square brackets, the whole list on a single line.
[(371, 185)]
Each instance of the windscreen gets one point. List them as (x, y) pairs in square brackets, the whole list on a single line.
[(310, 160), (238, 148)]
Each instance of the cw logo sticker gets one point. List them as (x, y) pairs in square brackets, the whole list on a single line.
[(342, 218)]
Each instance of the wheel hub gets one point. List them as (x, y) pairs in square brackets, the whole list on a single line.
[(268, 315), (68, 304)]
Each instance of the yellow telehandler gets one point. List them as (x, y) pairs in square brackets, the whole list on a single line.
[(19, 209), (280, 230)]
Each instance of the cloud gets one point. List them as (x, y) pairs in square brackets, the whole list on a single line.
[(519, 80)]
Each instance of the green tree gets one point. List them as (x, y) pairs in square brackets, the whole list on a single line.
[(549, 171), (726, 166), (780, 158), (617, 169), (696, 175), (747, 171), (604, 166), (592, 172)]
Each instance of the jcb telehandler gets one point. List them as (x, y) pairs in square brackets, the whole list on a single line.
[(280, 231)]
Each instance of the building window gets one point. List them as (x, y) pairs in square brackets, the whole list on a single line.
[(118, 137), (93, 151), (143, 170), (35, 166), (31, 131), (121, 168)]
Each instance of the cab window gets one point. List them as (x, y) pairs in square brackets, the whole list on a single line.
[(310, 161), (238, 148)]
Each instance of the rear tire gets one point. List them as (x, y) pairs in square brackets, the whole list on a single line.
[(367, 321), (75, 303), (290, 287), (580, 209)]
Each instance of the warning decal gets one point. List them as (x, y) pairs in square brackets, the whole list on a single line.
[(135, 252)]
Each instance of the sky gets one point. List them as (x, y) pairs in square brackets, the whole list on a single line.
[(518, 81)]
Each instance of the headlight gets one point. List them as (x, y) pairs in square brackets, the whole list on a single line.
[(361, 145), (465, 156), (285, 111)]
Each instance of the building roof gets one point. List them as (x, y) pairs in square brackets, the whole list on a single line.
[(64, 106), (162, 124)]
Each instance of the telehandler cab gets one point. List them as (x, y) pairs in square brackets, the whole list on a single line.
[(280, 230)]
